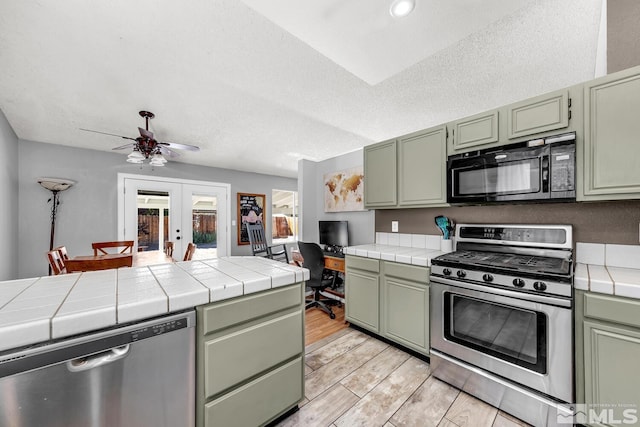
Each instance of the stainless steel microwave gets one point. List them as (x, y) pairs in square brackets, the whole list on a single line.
[(538, 170)]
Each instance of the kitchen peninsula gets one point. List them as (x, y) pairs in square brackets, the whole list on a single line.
[(241, 303)]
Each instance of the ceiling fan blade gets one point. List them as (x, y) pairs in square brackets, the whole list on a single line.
[(180, 146), (145, 133), (168, 152), (105, 133), (122, 147)]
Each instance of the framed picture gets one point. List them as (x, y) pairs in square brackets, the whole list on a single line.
[(251, 210), (344, 190)]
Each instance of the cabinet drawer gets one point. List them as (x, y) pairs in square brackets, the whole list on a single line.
[(334, 263), (359, 263), (228, 313), (260, 400), (408, 272), (612, 309), (232, 358)]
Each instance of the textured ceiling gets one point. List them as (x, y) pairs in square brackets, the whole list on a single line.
[(363, 37), (253, 96)]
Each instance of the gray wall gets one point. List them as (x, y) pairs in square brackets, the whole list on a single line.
[(311, 189), (9, 200), (87, 211), (601, 222)]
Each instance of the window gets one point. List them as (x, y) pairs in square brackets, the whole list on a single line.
[(284, 216)]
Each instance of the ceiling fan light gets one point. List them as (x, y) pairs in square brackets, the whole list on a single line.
[(401, 8), (157, 160), (134, 160), (136, 155), (159, 157)]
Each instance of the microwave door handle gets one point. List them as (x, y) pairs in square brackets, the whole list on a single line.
[(545, 174)]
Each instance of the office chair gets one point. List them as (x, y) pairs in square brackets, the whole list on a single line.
[(314, 262), (260, 247)]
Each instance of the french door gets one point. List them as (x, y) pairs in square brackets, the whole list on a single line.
[(154, 210)]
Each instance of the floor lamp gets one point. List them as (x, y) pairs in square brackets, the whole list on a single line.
[(55, 185)]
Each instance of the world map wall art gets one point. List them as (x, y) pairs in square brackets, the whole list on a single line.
[(344, 190)]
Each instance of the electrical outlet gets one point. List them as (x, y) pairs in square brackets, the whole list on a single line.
[(394, 226)]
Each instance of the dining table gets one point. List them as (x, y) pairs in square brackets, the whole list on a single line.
[(143, 258), (102, 262)]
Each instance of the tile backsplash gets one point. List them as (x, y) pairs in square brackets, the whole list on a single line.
[(422, 241), (625, 256)]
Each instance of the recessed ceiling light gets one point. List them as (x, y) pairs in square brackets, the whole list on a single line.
[(401, 8)]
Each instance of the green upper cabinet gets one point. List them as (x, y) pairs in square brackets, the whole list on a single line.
[(380, 175), (407, 172), (540, 114), (611, 155), (422, 163), (474, 133)]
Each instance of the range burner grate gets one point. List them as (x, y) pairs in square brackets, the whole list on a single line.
[(507, 261)]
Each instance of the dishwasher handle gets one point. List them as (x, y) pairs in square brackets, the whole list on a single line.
[(100, 359)]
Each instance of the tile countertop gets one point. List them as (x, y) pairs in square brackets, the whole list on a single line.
[(608, 269), (45, 308), (416, 249)]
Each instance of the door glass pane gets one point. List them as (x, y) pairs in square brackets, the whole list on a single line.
[(153, 219), (284, 216), (204, 214), (509, 333)]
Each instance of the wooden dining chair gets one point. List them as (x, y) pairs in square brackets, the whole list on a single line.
[(62, 250), (168, 248), (56, 262), (191, 248), (126, 245)]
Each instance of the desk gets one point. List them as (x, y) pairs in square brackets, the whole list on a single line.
[(332, 262)]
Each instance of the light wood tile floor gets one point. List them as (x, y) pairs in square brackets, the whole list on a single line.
[(353, 379)]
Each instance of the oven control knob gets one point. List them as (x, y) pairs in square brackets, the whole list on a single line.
[(518, 283), (487, 278), (539, 286), (461, 273), (446, 272)]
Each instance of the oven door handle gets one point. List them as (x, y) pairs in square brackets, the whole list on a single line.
[(561, 302)]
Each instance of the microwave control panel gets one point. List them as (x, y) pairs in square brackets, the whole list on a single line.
[(563, 165)]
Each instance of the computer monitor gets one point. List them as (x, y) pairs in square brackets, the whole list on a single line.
[(334, 233)]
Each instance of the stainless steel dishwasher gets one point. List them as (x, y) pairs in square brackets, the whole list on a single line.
[(137, 375)]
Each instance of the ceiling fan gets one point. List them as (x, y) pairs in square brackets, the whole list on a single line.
[(147, 147)]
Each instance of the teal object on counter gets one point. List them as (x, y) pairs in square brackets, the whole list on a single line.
[(443, 224)]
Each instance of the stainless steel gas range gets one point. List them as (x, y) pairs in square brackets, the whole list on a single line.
[(501, 325)]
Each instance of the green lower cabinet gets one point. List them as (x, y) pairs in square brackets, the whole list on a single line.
[(362, 292), (405, 313), (607, 359), (250, 358), (259, 400), (390, 299)]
